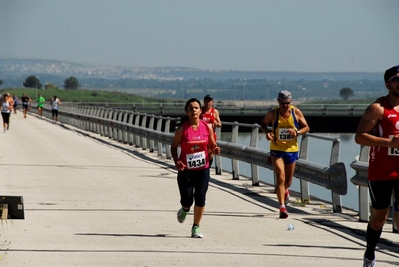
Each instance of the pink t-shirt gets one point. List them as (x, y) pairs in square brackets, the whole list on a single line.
[(194, 146)]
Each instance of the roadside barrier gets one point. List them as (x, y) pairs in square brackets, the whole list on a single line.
[(153, 132), (361, 165)]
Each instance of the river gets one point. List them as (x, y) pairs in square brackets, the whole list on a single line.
[(319, 152)]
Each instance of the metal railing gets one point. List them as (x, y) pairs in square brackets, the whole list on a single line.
[(361, 165), (152, 132), (231, 108), (125, 126), (332, 176)]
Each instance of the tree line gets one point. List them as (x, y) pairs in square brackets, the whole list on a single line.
[(32, 81), (233, 89)]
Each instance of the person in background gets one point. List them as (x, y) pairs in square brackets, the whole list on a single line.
[(211, 116), (55, 103), (5, 111), (25, 104), (15, 98), (40, 105), (11, 101), (379, 129), (287, 123), (196, 139)]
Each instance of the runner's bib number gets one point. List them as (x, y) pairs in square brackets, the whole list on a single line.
[(196, 160), (284, 135), (393, 151)]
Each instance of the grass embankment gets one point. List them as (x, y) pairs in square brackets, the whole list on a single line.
[(93, 96), (78, 95)]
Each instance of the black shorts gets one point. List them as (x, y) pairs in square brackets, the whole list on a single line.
[(6, 117), (193, 185), (381, 193)]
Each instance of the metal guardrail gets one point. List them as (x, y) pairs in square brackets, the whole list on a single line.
[(361, 165), (332, 177), (152, 132), (231, 109)]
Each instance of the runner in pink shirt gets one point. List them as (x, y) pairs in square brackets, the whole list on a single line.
[(197, 142)]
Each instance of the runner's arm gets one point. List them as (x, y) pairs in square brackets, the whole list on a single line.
[(373, 114)]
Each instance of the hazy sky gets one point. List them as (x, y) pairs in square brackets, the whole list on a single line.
[(254, 35)]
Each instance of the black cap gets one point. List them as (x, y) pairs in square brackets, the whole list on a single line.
[(390, 73), (208, 97)]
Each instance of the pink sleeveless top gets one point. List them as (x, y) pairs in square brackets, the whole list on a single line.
[(194, 146)]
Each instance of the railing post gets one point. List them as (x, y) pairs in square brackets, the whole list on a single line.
[(125, 120), (234, 162), (254, 143), (167, 146), (218, 159), (110, 115), (364, 205), (303, 154), (114, 130), (336, 199), (151, 126), (137, 123), (159, 128), (105, 116), (130, 136), (95, 125), (119, 118), (144, 125)]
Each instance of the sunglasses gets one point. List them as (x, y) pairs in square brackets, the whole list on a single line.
[(395, 79), (285, 103)]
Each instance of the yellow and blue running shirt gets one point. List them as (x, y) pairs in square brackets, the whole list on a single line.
[(284, 141)]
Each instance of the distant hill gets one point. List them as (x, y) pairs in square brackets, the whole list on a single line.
[(24, 67), (183, 82)]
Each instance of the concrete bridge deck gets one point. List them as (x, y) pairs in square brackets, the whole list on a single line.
[(91, 201)]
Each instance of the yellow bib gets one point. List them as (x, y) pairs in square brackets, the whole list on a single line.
[(284, 141)]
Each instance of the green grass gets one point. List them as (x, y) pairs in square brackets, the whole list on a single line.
[(94, 96), (79, 95)]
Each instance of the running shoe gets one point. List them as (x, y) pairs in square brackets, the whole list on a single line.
[(283, 213), (287, 196), (196, 232), (368, 263), (181, 215)]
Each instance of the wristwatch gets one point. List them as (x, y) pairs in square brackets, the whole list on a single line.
[(298, 133)]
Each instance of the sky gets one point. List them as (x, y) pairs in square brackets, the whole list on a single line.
[(244, 35)]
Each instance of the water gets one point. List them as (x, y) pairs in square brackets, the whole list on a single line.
[(319, 152)]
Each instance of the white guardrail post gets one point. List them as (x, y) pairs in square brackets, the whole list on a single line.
[(303, 154), (360, 180), (218, 159), (254, 143), (234, 162)]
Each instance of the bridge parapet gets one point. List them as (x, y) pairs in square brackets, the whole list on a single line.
[(138, 129), (361, 165), (176, 109)]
